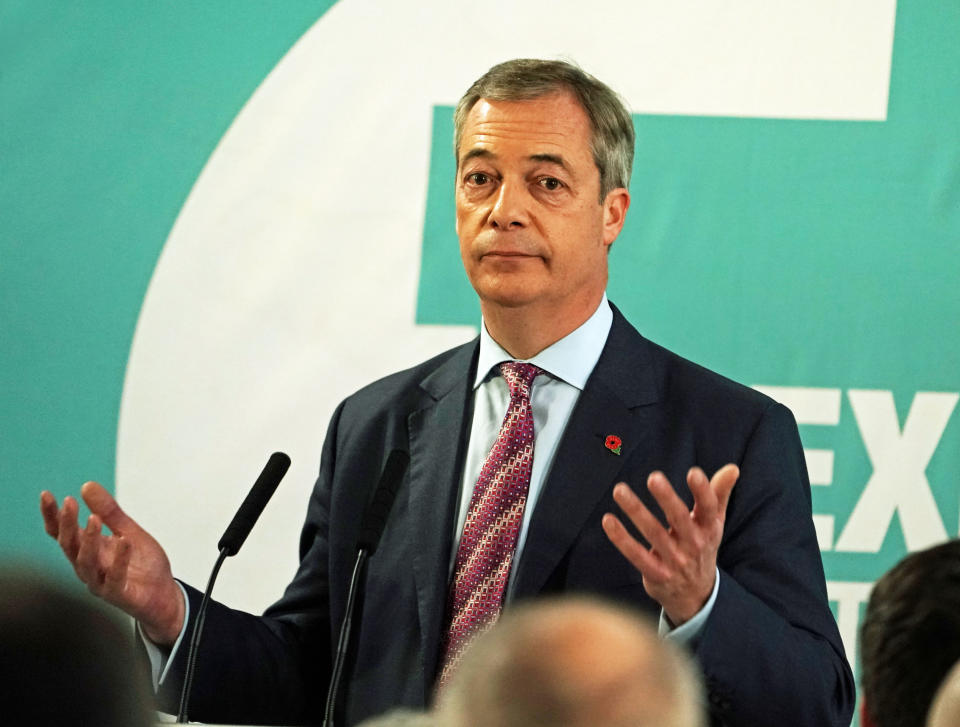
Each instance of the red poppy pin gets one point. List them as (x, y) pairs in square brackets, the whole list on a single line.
[(613, 443)]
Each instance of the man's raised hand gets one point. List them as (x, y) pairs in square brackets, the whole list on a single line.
[(679, 567), (127, 568)]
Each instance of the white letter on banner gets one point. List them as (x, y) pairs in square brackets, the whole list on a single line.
[(819, 407), (849, 596), (899, 481)]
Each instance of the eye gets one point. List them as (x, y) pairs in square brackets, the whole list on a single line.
[(550, 183), (478, 178)]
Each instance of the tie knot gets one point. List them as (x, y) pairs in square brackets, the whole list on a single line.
[(519, 376)]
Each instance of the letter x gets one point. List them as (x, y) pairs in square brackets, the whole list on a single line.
[(899, 481)]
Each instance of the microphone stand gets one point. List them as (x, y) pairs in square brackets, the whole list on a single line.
[(344, 640), (371, 528), (233, 538), (195, 639)]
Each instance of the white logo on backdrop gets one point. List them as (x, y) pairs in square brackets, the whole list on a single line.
[(289, 279)]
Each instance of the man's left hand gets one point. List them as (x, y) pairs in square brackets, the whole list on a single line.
[(680, 566)]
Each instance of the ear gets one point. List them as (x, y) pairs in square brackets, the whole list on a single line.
[(615, 207)]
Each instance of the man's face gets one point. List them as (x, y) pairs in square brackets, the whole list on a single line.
[(532, 228)]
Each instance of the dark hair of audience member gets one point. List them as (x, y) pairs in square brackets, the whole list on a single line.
[(65, 660), (910, 636)]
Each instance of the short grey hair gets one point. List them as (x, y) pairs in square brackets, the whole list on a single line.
[(524, 79)]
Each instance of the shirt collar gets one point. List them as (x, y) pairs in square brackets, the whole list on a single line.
[(571, 359)]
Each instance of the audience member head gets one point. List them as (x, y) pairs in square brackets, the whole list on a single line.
[(401, 718), (573, 662), (945, 711), (64, 660), (910, 636)]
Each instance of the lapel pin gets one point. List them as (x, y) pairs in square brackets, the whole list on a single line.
[(613, 443)]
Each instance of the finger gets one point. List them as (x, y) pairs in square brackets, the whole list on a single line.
[(641, 558), (88, 556), (67, 528), (102, 503), (648, 525), (675, 509), (722, 484), (49, 510), (116, 576), (704, 498)]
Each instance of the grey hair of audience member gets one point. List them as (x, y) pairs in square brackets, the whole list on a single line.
[(524, 79), (66, 660), (573, 662), (945, 710), (402, 718), (910, 636)]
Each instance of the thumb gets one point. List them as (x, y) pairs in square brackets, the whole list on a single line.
[(106, 508), (722, 484)]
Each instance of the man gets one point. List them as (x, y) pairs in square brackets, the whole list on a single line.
[(64, 660), (910, 637), (515, 443), (573, 662)]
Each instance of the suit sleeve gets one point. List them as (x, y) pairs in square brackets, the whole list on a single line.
[(770, 650), (270, 669)]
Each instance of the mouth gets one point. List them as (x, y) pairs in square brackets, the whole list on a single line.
[(508, 255)]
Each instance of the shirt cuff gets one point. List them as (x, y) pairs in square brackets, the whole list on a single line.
[(687, 633), (160, 658)]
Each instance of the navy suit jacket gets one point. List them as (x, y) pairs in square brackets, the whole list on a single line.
[(770, 650)]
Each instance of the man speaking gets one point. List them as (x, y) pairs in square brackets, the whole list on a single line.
[(517, 443)]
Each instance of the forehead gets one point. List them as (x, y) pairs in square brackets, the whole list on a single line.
[(551, 124)]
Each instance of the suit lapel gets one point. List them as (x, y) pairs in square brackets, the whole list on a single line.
[(438, 431), (620, 398)]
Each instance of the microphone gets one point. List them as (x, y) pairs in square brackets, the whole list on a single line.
[(239, 528), (234, 537), (375, 516), (371, 528)]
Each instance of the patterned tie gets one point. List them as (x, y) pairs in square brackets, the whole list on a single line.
[(493, 522)]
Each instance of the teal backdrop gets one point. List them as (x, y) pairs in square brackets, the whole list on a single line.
[(817, 258), (108, 112)]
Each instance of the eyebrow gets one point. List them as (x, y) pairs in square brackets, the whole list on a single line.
[(477, 153), (550, 159), (474, 154)]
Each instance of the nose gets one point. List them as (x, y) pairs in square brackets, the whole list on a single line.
[(509, 209)]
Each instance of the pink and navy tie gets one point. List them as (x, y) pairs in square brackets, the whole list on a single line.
[(493, 522)]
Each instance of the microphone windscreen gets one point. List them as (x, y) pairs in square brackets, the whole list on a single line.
[(256, 500), (375, 516)]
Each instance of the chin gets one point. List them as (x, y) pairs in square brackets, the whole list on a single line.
[(514, 295)]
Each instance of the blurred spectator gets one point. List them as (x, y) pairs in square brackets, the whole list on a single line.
[(945, 711), (910, 637), (64, 660), (402, 718), (572, 662)]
